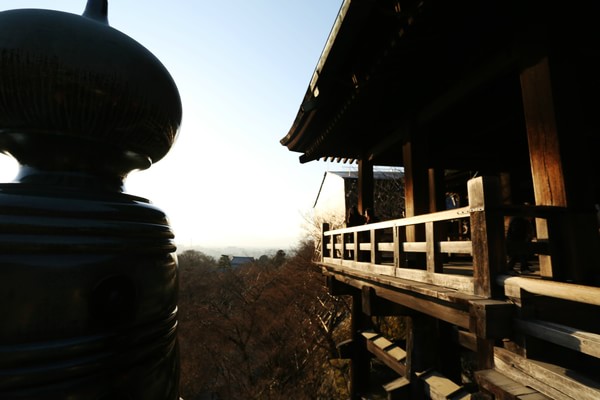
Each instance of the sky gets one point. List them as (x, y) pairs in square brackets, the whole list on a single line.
[(242, 69)]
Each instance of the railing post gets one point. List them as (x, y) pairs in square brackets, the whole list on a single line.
[(374, 239), (434, 257), (356, 240), (487, 234), (88, 273), (325, 252)]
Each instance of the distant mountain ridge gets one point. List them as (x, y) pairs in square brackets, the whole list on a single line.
[(217, 252)]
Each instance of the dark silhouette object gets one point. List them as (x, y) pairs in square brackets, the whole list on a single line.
[(353, 219), (370, 216), (518, 236), (89, 277)]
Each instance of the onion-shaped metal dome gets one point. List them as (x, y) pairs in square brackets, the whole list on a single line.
[(72, 87)]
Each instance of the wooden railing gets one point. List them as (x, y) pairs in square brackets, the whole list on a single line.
[(415, 263), (383, 248), (415, 248), (419, 248)]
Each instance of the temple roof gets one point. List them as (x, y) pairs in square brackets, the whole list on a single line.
[(441, 75)]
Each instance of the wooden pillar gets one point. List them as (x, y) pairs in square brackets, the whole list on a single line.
[(437, 193), (562, 161), (365, 185), (487, 234), (421, 350), (325, 252), (416, 188), (360, 364)]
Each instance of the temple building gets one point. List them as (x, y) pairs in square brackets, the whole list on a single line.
[(491, 106)]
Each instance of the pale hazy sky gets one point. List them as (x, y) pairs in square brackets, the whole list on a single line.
[(242, 68)]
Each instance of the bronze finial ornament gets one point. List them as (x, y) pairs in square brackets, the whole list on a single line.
[(97, 9), (88, 273)]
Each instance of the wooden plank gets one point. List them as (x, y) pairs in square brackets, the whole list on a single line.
[(584, 342), (384, 344), (397, 353), (438, 387), (389, 353), (412, 274), (509, 370), (385, 246), (370, 335), (379, 269), (551, 380), (453, 296), (414, 247), (504, 388), (533, 396), (458, 247), (464, 284)]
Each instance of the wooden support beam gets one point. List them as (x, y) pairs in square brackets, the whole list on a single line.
[(388, 352), (445, 304), (467, 340), (337, 288), (375, 306), (422, 341), (565, 336), (491, 319), (504, 388), (360, 362), (551, 380)]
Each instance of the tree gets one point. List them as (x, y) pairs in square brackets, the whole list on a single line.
[(259, 331), (279, 258), (196, 271), (224, 261), (313, 227)]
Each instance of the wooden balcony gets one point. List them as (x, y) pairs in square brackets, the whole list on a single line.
[(524, 330)]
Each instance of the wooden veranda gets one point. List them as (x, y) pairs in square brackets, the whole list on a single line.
[(504, 94)]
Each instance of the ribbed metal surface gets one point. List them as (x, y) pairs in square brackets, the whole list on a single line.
[(88, 297)]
